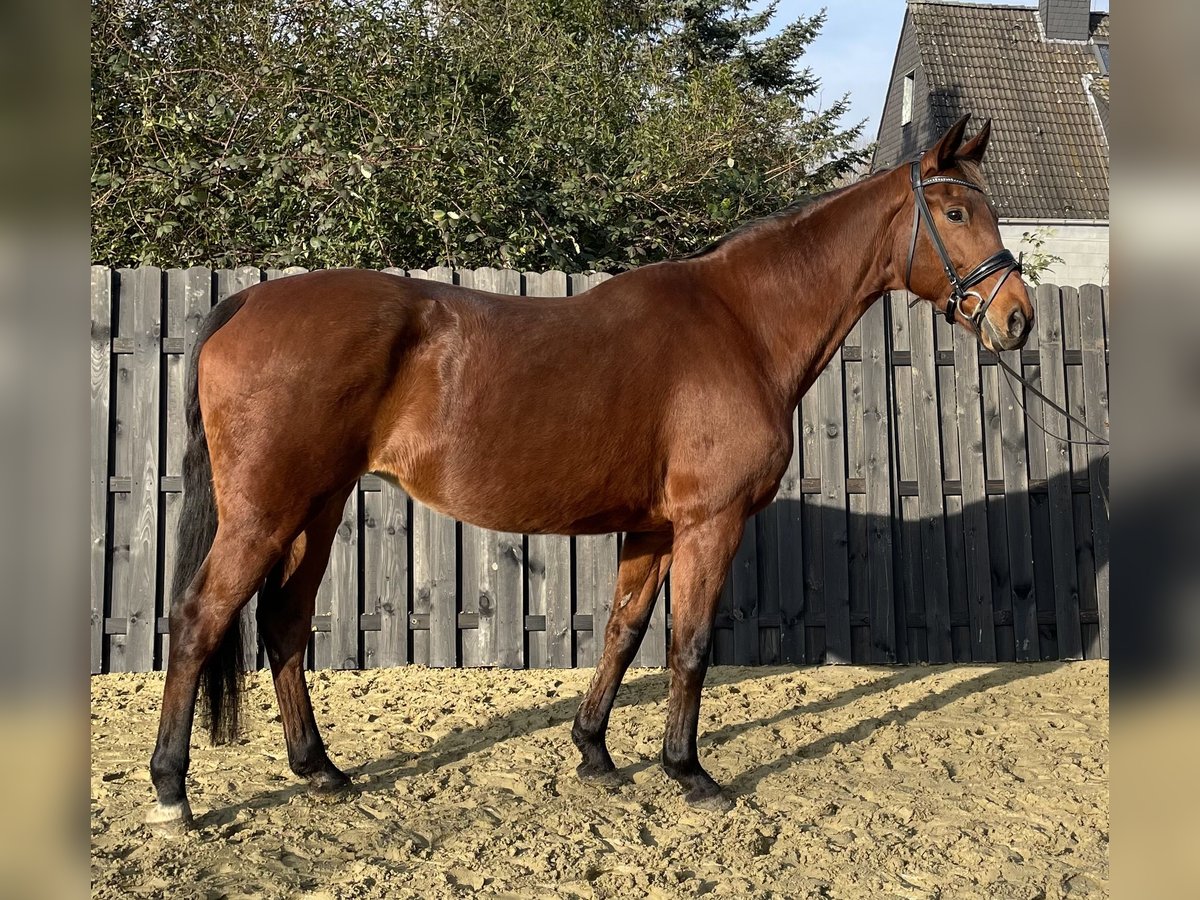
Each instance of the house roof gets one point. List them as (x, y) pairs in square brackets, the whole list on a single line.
[(1048, 157)]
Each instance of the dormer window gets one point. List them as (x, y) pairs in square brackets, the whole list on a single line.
[(1101, 51)]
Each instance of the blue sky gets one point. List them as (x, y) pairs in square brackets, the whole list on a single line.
[(854, 52)]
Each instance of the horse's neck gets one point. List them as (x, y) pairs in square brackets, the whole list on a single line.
[(800, 284)]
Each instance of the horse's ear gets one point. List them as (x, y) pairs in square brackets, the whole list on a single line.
[(974, 149), (941, 156)]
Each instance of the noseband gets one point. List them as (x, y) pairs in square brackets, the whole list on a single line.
[(960, 288)]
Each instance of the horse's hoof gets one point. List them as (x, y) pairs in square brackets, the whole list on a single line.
[(602, 775), (708, 798), (169, 819), (330, 783), (590, 771)]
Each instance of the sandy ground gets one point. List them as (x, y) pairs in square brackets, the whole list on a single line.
[(973, 781)]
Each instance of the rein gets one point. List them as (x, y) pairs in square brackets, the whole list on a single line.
[(1011, 373)]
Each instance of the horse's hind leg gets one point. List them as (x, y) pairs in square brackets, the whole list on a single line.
[(645, 559), (235, 566), (285, 611)]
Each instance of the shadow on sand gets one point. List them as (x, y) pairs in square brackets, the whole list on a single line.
[(649, 688)]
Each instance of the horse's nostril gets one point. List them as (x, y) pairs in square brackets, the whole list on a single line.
[(1016, 324)]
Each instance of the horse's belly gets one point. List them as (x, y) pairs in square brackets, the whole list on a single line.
[(505, 495)]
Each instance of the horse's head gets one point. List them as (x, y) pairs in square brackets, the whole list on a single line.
[(951, 252)]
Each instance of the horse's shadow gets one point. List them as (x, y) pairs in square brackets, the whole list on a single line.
[(383, 774)]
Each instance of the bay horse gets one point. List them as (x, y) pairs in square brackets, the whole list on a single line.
[(659, 403)]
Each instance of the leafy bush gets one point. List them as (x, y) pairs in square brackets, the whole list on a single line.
[(1038, 262), (578, 134)]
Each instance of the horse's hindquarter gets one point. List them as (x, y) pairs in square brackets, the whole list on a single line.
[(291, 387)]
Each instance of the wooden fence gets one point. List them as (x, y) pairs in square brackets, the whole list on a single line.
[(921, 518)]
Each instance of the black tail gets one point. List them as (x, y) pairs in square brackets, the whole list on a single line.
[(221, 677)]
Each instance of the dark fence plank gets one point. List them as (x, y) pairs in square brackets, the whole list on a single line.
[(1038, 503), (1058, 474), (387, 576), (1014, 463), (912, 644), (493, 564), (956, 553), (100, 429), (426, 538), (780, 566), (812, 531), (121, 466), (511, 648), (877, 472), (595, 585), (994, 395), (1001, 588), (741, 598), (833, 498), (1085, 556), (930, 502), (1095, 390), (174, 434), (1105, 296), (434, 587), (343, 575), (481, 558), (197, 303), (856, 512), (968, 393)]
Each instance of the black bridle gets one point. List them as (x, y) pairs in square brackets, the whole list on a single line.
[(960, 288)]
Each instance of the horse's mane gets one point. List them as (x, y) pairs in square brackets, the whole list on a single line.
[(806, 204), (799, 208), (800, 204)]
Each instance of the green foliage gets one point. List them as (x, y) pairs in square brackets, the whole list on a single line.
[(578, 134), (1038, 261)]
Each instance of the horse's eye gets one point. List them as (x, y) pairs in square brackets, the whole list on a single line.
[(954, 215)]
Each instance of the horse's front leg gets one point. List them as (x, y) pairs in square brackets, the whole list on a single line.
[(703, 553)]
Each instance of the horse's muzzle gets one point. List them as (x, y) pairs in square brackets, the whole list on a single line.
[(1014, 333)]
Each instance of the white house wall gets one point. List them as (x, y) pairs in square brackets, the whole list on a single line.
[(1082, 245)]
